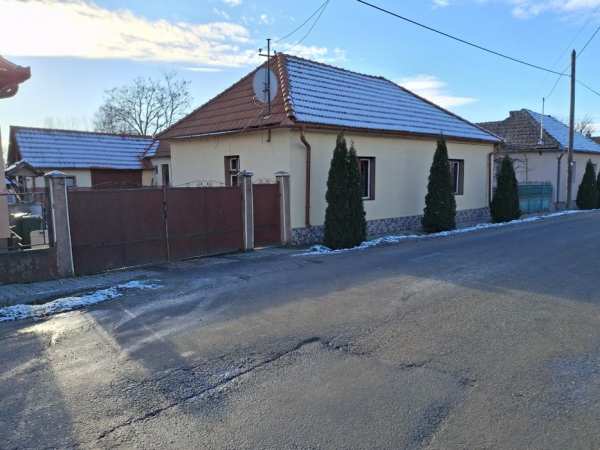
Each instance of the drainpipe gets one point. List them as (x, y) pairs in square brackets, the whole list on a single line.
[(307, 184), (558, 177)]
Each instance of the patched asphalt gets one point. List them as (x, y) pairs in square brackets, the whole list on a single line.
[(484, 340)]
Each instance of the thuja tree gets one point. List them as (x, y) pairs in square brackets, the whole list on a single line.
[(587, 194), (345, 224), (440, 204), (356, 223), (505, 204)]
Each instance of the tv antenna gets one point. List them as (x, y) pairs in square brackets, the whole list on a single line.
[(265, 82)]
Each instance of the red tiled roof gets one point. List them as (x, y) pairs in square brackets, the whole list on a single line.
[(319, 95), (11, 75), (234, 109)]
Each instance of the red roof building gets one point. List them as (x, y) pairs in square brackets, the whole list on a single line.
[(11, 75)]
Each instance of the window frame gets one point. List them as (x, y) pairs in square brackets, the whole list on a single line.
[(162, 174), (72, 179), (459, 178), (231, 174), (370, 160)]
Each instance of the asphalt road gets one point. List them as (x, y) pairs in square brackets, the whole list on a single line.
[(488, 340)]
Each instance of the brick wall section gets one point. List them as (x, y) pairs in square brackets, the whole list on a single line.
[(382, 227), (28, 266)]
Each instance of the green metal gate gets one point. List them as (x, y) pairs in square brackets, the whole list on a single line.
[(535, 197)]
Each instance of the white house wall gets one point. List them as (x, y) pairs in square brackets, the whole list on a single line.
[(401, 173), (533, 167)]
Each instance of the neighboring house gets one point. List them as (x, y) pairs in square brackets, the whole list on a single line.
[(538, 145), (89, 159), (393, 130), (159, 157)]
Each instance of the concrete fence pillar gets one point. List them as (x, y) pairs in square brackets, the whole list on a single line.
[(245, 180), (285, 218), (59, 206), (4, 222)]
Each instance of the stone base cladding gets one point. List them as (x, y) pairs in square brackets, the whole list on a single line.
[(382, 227)]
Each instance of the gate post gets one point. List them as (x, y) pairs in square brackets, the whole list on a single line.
[(283, 180), (59, 207), (245, 180)]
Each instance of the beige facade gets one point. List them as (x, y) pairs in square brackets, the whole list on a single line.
[(401, 168), (535, 167), (157, 171), (83, 178)]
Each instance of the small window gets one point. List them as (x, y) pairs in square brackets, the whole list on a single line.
[(166, 177), (367, 177), (457, 172), (70, 181), (232, 170)]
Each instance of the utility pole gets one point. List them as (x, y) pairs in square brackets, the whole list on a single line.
[(571, 132), (267, 88)]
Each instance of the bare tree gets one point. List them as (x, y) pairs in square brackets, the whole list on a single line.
[(586, 126), (145, 107)]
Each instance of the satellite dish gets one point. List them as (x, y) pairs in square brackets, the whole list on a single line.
[(264, 82)]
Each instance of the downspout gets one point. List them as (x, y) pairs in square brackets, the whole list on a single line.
[(307, 175), (558, 177)]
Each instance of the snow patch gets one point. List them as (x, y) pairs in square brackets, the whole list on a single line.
[(316, 250), (19, 312)]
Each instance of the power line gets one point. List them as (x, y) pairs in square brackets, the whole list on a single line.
[(463, 41), (295, 30), (580, 51), (324, 7)]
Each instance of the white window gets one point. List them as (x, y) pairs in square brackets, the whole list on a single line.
[(457, 172), (367, 177), (232, 170)]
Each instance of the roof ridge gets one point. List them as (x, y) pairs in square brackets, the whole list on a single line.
[(97, 133)]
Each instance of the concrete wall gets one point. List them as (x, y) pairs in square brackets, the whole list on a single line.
[(402, 168), (533, 167), (28, 266)]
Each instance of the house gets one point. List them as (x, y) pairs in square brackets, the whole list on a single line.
[(90, 159), (538, 145), (393, 130)]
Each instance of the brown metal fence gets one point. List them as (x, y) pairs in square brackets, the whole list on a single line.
[(203, 221), (115, 228), (267, 217)]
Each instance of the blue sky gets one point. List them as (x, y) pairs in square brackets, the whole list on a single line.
[(78, 49)]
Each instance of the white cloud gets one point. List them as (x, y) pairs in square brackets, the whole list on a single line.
[(85, 30), (224, 14), (434, 90), (528, 8), (321, 54), (265, 19), (233, 2), (441, 3)]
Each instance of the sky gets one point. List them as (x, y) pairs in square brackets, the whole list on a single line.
[(77, 49)]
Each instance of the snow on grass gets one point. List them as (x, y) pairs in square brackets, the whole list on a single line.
[(19, 312), (316, 250)]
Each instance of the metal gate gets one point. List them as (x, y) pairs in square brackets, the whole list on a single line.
[(203, 221), (535, 197), (267, 216), (115, 228)]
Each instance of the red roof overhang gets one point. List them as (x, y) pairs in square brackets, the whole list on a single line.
[(11, 75)]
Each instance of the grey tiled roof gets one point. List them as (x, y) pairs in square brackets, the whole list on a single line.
[(521, 130), (326, 95), (56, 149)]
